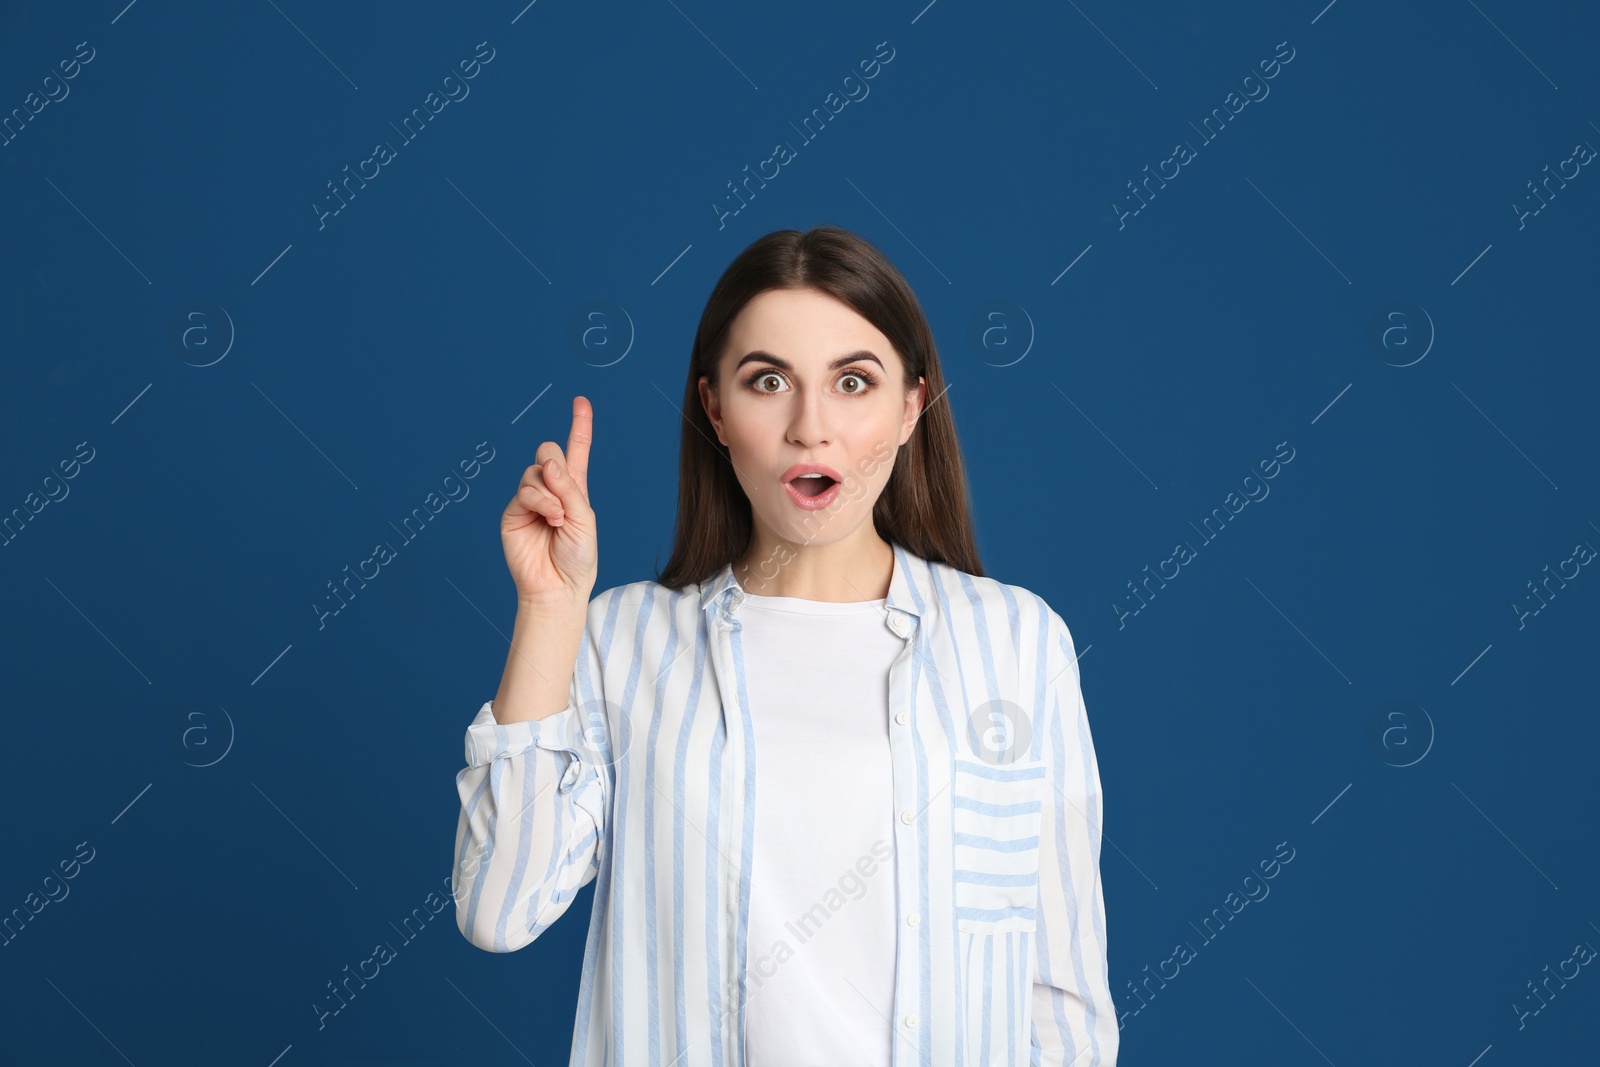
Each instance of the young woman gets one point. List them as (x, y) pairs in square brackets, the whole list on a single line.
[(837, 787)]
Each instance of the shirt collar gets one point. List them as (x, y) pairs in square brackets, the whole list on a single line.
[(722, 590)]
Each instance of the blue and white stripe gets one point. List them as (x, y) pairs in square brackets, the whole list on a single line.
[(646, 782)]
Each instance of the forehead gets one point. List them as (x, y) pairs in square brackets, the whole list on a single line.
[(806, 327)]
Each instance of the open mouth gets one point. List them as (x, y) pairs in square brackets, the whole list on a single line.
[(812, 484)]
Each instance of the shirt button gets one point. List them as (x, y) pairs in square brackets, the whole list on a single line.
[(902, 718), (569, 777), (898, 624), (911, 1020), (913, 919), (907, 815)]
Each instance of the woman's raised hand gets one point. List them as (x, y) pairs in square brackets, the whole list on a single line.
[(548, 529)]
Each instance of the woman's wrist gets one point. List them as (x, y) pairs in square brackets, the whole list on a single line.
[(554, 607)]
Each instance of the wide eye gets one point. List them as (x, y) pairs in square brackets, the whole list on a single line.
[(862, 378), (762, 378)]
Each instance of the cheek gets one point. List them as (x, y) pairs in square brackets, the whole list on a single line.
[(735, 422), (874, 451), (744, 435), (867, 470)]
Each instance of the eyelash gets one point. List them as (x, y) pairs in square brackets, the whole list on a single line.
[(869, 378)]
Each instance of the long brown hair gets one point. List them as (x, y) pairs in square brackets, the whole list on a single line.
[(924, 507)]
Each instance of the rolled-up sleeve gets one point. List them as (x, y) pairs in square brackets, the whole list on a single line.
[(533, 813), (1074, 1019)]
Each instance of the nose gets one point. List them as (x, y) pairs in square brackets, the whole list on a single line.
[(808, 424)]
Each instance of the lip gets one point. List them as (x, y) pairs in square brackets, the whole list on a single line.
[(811, 503), (811, 468), (822, 499)]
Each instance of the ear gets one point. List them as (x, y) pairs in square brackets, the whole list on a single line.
[(914, 403), (712, 405)]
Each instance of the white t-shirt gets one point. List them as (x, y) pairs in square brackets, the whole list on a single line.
[(820, 970)]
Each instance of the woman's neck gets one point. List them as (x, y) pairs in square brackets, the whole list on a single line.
[(836, 573)]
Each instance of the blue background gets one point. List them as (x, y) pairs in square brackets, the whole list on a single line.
[(267, 799)]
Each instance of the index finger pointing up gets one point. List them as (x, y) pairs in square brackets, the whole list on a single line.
[(578, 440)]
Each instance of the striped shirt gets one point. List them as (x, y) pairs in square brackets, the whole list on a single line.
[(646, 783)]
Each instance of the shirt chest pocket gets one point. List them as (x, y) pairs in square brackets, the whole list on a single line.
[(997, 812)]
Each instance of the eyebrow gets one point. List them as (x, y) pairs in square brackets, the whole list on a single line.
[(759, 356)]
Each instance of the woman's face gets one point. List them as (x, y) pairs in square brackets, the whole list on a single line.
[(805, 380)]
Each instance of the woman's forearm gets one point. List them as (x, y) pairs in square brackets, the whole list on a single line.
[(537, 681)]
